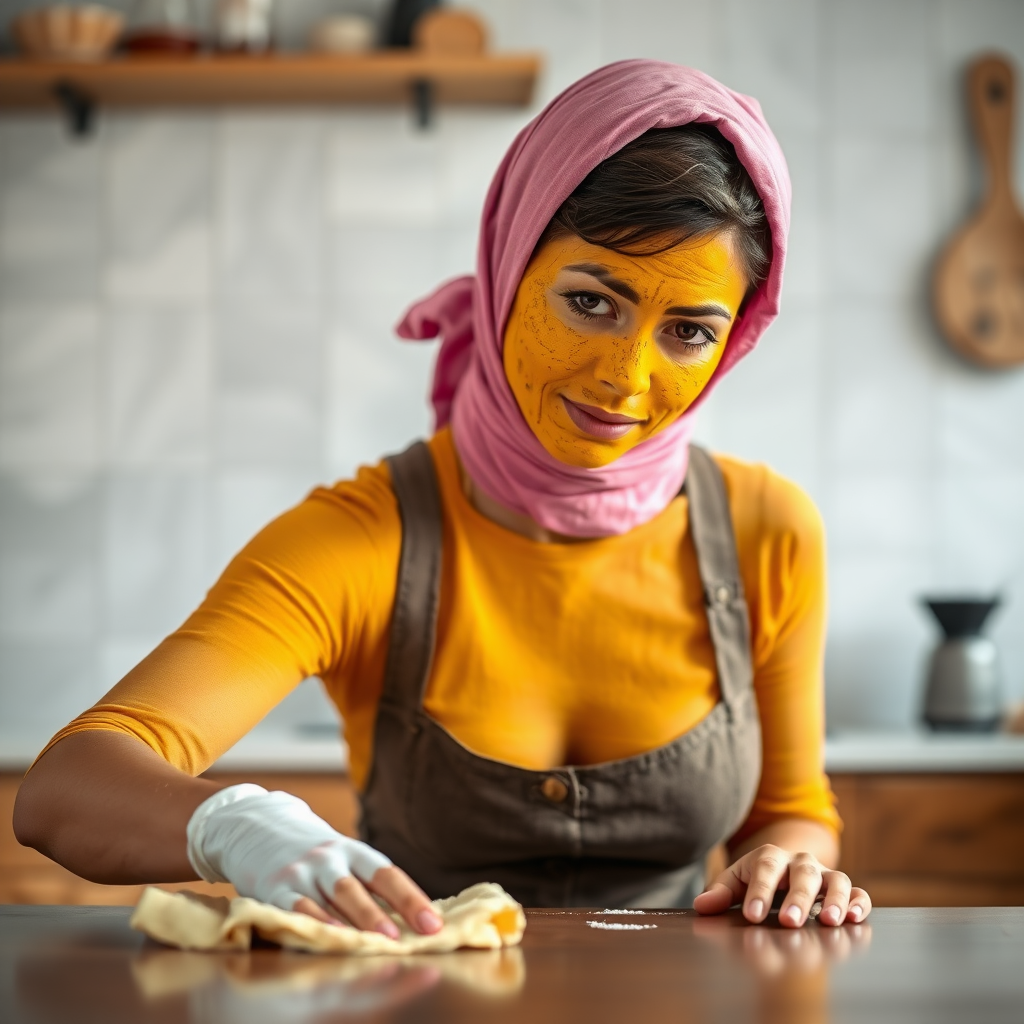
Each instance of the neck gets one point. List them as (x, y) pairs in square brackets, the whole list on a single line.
[(505, 517)]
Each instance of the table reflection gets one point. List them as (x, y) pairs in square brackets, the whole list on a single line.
[(790, 966), (264, 984), (278, 984)]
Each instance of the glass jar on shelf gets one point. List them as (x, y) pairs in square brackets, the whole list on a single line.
[(163, 27), (244, 26)]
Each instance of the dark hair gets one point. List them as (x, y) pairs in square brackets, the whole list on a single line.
[(667, 186)]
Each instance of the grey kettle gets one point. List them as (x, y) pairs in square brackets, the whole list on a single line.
[(964, 688)]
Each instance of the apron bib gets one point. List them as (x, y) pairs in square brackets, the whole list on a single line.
[(632, 832)]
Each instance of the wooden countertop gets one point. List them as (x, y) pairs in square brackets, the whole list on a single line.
[(85, 964)]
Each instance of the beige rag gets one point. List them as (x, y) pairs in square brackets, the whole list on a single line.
[(483, 916)]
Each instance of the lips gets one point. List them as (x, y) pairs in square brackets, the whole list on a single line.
[(609, 426)]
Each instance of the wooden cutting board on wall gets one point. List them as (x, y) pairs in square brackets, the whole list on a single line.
[(979, 279)]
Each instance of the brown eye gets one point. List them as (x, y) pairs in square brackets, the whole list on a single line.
[(588, 305), (690, 332)]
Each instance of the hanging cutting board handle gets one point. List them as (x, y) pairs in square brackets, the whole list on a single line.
[(979, 276), (991, 91)]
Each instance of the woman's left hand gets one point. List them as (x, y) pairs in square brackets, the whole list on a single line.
[(760, 873)]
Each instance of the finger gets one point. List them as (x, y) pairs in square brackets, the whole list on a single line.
[(727, 888), (365, 860), (399, 891), (304, 905), (860, 905), (351, 898), (837, 898), (804, 886), (767, 868), (716, 900)]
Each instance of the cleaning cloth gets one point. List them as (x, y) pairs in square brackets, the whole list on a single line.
[(483, 916)]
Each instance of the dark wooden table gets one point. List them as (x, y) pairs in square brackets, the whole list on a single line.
[(61, 965)]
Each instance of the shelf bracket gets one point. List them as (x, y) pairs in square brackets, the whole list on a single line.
[(79, 107), (423, 102)]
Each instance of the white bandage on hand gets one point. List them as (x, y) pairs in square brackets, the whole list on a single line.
[(271, 846)]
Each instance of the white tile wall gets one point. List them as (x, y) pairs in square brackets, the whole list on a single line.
[(157, 374), (49, 556), (881, 215), (805, 270), (196, 314), (774, 55), (980, 418), (158, 200), (877, 384), (395, 265), (49, 385), (383, 170), (376, 388), (154, 534), (879, 513), (269, 382), (879, 72), (270, 204), (49, 212), (473, 143), (693, 32)]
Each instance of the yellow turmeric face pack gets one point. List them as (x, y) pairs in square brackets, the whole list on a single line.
[(604, 350)]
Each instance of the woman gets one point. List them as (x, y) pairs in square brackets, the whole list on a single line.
[(557, 671)]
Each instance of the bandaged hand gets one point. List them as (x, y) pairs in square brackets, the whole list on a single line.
[(272, 847)]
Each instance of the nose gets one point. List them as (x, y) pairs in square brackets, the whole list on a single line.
[(624, 366)]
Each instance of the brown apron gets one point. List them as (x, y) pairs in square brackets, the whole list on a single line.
[(632, 832)]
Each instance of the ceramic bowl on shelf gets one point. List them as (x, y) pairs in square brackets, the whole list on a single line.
[(87, 32), (344, 33)]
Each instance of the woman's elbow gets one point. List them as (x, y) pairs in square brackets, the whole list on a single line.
[(32, 808), (42, 805)]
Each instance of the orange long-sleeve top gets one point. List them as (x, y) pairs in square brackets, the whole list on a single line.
[(547, 653)]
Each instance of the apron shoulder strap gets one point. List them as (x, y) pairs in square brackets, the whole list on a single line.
[(417, 591), (715, 542)]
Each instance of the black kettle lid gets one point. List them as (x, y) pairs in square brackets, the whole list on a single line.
[(961, 617)]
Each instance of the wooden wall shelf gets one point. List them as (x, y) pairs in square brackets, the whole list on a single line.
[(385, 77)]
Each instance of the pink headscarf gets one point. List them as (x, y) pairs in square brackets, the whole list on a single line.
[(551, 156)]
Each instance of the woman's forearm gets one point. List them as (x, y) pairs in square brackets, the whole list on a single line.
[(108, 808), (798, 835)]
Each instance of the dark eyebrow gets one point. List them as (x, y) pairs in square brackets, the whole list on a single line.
[(607, 279), (708, 309)]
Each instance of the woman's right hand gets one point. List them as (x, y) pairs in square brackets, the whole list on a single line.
[(271, 846)]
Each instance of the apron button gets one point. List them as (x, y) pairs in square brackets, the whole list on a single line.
[(554, 789), (722, 594)]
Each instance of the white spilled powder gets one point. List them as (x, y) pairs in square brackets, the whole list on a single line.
[(614, 926), (605, 913)]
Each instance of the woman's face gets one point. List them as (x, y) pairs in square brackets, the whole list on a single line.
[(602, 350)]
